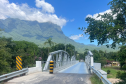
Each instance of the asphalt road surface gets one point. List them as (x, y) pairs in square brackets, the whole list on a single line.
[(76, 74)]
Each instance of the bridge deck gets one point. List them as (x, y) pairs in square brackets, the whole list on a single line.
[(79, 68), (75, 74)]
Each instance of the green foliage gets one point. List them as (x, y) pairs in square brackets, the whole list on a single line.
[(124, 67), (108, 28), (102, 60), (121, 76), (121, 82), (10, 49), (27, 50), (59, 46), (122, 56), (43, 52), (96, 55), (118, 74), (101, 57), (5, 56), (70, 49), (49, 41), (80, 56), (108, 71)]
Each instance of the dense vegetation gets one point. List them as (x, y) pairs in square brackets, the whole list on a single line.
[(29, 51)]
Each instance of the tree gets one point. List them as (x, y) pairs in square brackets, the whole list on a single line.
[(109, 27), (96, 55), (49, 41), (1, 30), (102, 60), (70, 49), (59, 46), (27, 50), (86, 50), (5, 56), (122, 56), (43, 52)]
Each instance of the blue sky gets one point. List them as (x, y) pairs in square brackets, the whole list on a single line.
[(69, 14)]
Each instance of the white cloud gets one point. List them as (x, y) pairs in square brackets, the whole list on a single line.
[(72, 20), (45, 6), (24, 12), (76, 37), (101, 13)]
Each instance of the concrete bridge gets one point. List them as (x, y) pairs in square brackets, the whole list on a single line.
[(67, 70)]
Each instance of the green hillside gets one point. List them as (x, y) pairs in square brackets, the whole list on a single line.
[(39, 32)]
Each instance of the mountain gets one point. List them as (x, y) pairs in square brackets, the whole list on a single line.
[(38, 33)]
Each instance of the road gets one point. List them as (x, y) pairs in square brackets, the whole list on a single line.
[(76, 74)]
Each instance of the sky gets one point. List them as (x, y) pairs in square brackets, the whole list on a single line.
[(68, 14)]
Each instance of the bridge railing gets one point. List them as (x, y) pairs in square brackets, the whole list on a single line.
[(60, 57), (90, 65), (104, 80), (62, 65)]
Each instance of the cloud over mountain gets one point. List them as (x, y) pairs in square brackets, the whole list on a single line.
[(24, 12)]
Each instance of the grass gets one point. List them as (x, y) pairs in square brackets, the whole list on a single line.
[(95, 79), (113, 71)]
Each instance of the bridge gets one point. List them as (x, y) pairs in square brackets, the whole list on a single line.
[(67, 70)]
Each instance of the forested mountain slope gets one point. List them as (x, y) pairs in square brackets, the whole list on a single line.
[(38, 33)]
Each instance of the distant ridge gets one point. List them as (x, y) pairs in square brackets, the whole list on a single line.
[(38, 33)]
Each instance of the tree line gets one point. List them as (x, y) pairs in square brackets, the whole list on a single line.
[(29, 51)]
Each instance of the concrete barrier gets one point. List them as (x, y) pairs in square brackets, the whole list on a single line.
[(35, 69), (97, 66)]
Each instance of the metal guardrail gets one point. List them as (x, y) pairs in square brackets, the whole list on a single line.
[(104, 80), (13, 74)]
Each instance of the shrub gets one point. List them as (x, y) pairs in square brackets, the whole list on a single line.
[(108, 71), (124, 67), (118, 74), (122, 76)]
